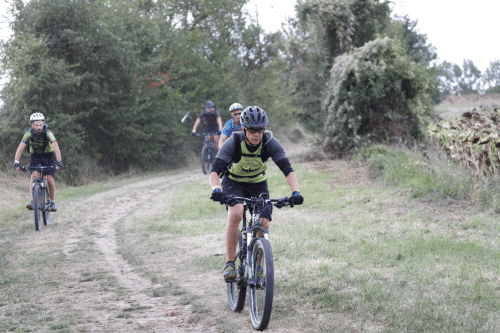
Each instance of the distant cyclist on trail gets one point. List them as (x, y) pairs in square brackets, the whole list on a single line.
[(43, 150), (242, 160), (211, 119), (232, 125)]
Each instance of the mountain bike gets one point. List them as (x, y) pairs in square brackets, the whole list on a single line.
[(41, 198), (254, 262), (208, 151)]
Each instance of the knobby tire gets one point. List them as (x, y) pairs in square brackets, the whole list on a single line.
[(261, 296), (236, 290), (205, 161), (46, 208), (37, 204)]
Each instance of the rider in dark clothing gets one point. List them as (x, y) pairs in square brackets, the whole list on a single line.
[(242, 160), (211, 120)]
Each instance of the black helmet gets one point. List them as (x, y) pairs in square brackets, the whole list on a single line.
[(209, 104), (254, 116)]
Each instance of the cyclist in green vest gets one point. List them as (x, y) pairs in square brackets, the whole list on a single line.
[(242, 160), (43, 150)]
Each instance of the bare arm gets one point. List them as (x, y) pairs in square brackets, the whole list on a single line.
[(196, 123), (219, 121), (57, 151), (223, 138), (19, 152), (214, 180), (292, 181)]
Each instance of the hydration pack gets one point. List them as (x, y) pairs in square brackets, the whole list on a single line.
[(38, 150)]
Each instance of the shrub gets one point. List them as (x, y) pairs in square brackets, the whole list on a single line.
[(375, 94)]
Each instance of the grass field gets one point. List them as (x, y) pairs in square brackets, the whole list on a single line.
[(358, 256), (454, 106), (414, 250)]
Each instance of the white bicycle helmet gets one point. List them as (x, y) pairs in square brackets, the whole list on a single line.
[(37, 116), (235, 106)]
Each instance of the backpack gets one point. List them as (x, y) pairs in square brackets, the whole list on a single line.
[(45, 139), (236, 157)]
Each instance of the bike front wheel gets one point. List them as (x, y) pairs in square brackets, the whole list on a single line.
[(46, 208), (262, 286), (37, 204), (206, 163), (236, 290)]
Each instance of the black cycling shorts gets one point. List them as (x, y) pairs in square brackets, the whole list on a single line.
[(242, 189), (44, 160), (212, 129)]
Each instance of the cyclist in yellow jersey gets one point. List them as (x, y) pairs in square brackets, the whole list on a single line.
[(242, 161), (43, 150)]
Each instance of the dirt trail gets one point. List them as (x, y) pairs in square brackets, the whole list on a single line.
[(100, 289), (139, 310)]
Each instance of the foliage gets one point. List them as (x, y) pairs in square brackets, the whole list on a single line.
[(375, 94), (492, 77), (324, 30), (415, 44), (467, 79), (343, 24), (424, 176), (112, 77), (418, 50), (472, 140)]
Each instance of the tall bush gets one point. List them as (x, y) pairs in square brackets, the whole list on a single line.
[(375, 94)]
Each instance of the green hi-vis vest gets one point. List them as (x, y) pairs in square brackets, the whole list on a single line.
[(250, 168)]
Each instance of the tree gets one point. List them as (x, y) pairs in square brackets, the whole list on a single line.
[(469, 82), (324, 30), (415, 43), (492, 77), (341, 25), (112, 76), (375, 93)]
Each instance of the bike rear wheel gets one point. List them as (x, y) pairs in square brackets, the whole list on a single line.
[(37, 204), (205, 159), (236, 290), (46, 208), (261, 291)]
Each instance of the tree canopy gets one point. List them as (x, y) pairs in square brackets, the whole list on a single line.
[(114, 78)]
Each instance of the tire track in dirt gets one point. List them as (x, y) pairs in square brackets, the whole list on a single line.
[(155, 315)]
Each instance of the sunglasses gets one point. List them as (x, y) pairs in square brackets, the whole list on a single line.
[(256, 130), (236, 113)]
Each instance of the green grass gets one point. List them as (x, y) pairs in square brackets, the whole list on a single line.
[(431, 177), (362, 255), (424, 177), (405, 253)]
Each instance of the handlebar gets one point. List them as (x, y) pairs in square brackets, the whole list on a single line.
[(278, 203), (26, 168), (206, 134)]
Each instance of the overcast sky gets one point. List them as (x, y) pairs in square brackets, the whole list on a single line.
[(458, 29)]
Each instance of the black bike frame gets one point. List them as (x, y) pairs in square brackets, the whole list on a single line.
[(254, 205)]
